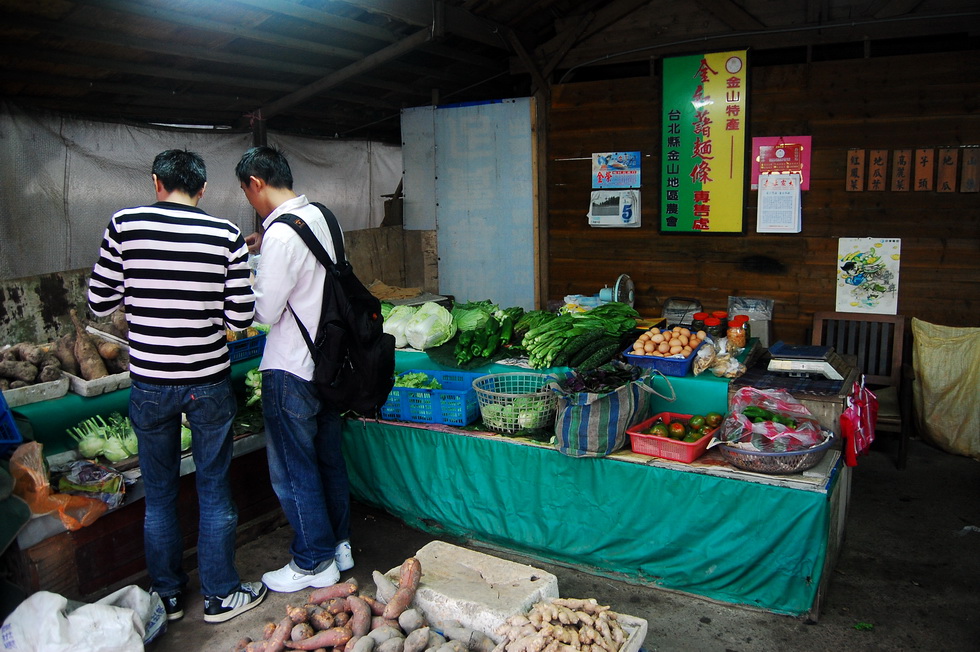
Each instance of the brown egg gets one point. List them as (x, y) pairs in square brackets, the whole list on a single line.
[(674, 350), (686, 332), (658, 338), (674, 342), (702, 335), (644, 337), (663, 347), (683, 339), (649, 347)]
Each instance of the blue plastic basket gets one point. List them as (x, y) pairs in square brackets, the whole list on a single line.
[(454, 405), (250, 347), (666, 366), (9, 435)]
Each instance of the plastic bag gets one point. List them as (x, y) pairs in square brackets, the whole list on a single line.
[(121, 622), (791, 427), (857, 422), (31, 483), (85, 478)]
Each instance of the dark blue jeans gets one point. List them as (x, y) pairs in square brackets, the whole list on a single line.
[(155, 411), (307, 467)]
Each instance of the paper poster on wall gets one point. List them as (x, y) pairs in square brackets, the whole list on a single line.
[(615, 208), (867, 275), (616, 170), (704, 123), (781, 155), (779, 209)]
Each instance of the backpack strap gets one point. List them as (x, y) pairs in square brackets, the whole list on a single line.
[(304, 231)]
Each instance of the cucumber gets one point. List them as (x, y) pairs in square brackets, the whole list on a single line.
[(591, 348), (601, 357), (572, 348)]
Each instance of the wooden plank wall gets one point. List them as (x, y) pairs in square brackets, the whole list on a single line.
[(900, 102)]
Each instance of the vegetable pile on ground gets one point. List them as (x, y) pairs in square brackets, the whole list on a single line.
[(114, 438), (338, 617), (584, 340), (563, 625)]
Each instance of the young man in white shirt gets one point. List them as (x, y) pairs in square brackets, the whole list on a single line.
[(307, 467)]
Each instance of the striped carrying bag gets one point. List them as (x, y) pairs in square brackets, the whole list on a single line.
[(594, 425)]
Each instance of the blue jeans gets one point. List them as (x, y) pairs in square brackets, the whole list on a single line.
[(307, 467), (155, 412)]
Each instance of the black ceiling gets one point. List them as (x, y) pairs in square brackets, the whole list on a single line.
[(345, 69)]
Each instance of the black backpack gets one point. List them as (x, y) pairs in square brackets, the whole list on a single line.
[(354, 359)]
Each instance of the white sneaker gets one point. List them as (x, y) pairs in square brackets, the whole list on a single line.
[(289, 579), (345, 561)]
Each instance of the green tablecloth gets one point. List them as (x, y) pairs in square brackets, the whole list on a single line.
[(695, 394), (725, 539)]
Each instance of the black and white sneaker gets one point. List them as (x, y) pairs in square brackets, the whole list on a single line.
[(218, 609), (173, 605)]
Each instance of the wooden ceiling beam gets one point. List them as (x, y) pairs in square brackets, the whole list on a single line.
[(458, 22), (174, 17), (372, 61), (323, 18)]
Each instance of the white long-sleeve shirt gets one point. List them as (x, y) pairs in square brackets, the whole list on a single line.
[(288, 272)]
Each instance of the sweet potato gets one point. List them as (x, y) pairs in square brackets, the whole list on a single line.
[(363, 644), (410, 620), (360, 620), (417, 640), (321, 619), (297, 614), (22, 371), (277, 642), (90, 363), (301, 631), (339, 590), (409, 577), (377, 608), (393, 644), (333, 637), (385, 588), (64, 350)]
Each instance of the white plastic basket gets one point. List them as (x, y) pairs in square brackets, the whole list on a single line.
[(518, 401)]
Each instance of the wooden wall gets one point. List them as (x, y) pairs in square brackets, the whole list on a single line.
[(897, 102)]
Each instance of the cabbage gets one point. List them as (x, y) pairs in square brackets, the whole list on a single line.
[(395, 323), (185, 437), (430, 326)]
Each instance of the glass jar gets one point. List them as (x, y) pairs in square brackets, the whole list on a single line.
[(712, 326), (697, 321), (744, 321), (736, 336), (722, 318)]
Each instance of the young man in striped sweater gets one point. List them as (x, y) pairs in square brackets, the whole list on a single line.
[(182, 276)]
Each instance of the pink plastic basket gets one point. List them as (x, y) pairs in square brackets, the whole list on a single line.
[(664, 447)]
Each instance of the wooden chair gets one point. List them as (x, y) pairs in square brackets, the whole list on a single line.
[(877, 342)]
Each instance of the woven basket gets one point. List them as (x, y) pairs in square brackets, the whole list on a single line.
[(513, 402), (775, 463)]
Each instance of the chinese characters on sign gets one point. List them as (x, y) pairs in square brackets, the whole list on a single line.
[(616, 170), (919, 169), (781, 155), (703, 149)]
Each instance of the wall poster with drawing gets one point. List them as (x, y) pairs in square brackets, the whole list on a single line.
[(867, 275)]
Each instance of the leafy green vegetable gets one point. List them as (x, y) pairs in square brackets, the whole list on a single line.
[(417, 380), (185, 437), (253, 384), (395, 324), (430, 326)]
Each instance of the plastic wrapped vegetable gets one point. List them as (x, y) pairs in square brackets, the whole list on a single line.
[(430, 326), (395, 324)]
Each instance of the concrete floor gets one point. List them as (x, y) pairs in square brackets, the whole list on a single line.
[(908, 577)]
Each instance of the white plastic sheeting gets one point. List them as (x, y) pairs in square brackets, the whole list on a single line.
[(62, 178)]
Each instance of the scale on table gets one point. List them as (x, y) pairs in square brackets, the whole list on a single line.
[(806, 360)]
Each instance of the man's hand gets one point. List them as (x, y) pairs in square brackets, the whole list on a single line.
[(254, 242)]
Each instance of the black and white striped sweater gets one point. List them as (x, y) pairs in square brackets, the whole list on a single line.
[(183, 276)]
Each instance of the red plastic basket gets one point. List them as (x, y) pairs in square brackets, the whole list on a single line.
[(664, 447)]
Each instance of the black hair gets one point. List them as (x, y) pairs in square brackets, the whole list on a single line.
[(266, 163), (179, 169)]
